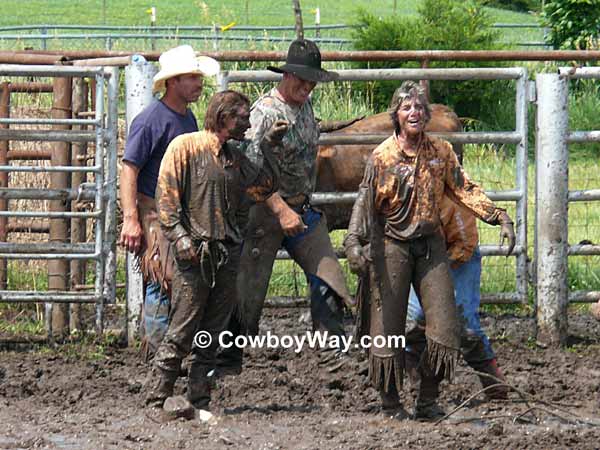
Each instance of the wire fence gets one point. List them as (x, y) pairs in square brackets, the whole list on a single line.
[(335, 36)]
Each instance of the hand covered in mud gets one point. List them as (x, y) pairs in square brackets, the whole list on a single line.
[(357, 260), (507, 232), (291, 222), (276, 132), (184, 249)]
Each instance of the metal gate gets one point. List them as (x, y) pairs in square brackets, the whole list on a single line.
[(101, 190), (518, 136)]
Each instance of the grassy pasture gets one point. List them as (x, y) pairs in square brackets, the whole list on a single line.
[(211, 12)]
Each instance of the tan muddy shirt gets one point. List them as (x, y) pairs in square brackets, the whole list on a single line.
[(404, 192), (200, 185), (460, 232)]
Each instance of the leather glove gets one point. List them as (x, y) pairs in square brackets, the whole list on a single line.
[(356, 260), (275, 134), (184, 249), (507, 232)]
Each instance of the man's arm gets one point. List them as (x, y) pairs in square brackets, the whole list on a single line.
[(131, 233), (261, 121), (290, 221)]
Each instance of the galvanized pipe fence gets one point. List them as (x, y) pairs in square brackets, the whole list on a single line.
[(551, 244), (62, 249), (519, 137)]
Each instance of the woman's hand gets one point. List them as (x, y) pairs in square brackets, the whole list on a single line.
[(184, 249), (507, 232), (356, 260)]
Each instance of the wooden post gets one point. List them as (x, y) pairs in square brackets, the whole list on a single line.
[(58, 269), (4, 113), (298, 18), (78, 226)]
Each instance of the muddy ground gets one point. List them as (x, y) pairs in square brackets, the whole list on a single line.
[(283, 400)]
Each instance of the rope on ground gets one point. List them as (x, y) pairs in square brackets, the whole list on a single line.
[(526, 398)]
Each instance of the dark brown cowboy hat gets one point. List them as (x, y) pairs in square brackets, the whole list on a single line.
[(304, 61)]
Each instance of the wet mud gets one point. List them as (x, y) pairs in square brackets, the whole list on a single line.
[(285, 400)]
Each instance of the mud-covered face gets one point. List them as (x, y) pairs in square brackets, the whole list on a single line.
[(237, 124), (412, 116)]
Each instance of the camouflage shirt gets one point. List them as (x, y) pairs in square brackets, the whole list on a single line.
[(200, 185), (404, 192), (298, 153)]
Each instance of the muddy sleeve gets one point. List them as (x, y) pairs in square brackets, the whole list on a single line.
[(460, 231), (169, 191), (260, 123), (467, 193), (362, 211), (260, 182)]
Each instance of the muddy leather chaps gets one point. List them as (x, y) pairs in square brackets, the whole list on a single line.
[(383, 301), (196, 307)]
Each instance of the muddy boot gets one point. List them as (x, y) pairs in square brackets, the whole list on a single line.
[(426, 407), (160, 386), (390, 399), (390, 403), (412, 368), (199, 386), (229, 362), (595, 310), (490, 367)]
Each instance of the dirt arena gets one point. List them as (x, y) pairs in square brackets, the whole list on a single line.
[(283, 400)]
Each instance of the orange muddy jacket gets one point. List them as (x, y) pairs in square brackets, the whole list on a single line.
[(460, 230)]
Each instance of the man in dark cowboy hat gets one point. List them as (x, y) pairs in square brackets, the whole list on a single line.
[(287, 219)]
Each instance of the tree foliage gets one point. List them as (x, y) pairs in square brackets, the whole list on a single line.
[(440, 25), (573, 24)]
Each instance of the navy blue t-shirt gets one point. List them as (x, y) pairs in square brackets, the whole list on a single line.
[(150, 134)]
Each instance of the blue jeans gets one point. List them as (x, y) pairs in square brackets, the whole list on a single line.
[(475, 345), (156, 316)]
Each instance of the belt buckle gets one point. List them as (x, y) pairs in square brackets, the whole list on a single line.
[(305, 205)]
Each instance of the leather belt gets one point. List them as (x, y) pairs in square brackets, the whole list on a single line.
[(296, 200)]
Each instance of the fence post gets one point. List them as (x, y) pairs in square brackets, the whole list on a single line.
[(110, 273), (552, 208), (223, 81), (44, 33), (78, 226), (58, 269), (4, 146), (138, 91)]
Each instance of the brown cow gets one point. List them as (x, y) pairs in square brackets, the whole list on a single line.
[(340, 168)]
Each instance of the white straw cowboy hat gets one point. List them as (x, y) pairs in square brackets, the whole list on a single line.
[(182, 60)]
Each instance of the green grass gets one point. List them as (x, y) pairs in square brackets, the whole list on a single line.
[(209, 12)]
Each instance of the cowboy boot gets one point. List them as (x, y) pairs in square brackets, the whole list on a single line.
[(412, 368), (490, 367), (426, 407), (390, 400), (160, 386), (199, 386), (229, 361)]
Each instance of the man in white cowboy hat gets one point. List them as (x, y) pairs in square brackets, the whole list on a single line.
[(180, 79), (287, 219)]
